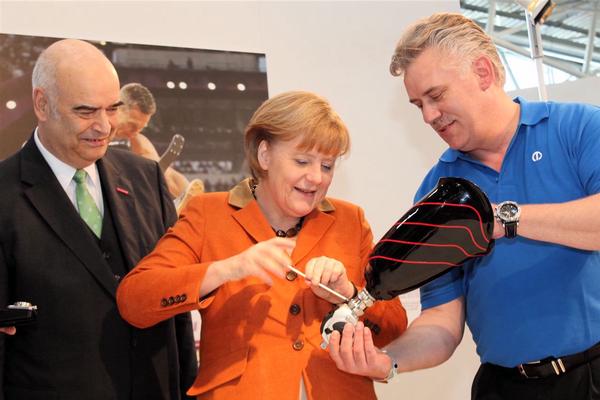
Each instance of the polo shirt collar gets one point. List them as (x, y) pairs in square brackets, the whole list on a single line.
[(531, 114)]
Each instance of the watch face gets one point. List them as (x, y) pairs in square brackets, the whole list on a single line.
[(508, 211)]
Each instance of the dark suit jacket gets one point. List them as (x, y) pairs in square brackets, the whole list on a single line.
[(80, 348)]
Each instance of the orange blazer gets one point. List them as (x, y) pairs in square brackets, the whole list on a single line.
[(257, 341)]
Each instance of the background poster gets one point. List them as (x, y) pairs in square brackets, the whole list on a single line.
[(207, 96)]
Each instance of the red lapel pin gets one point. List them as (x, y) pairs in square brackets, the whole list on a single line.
[(123, 191)]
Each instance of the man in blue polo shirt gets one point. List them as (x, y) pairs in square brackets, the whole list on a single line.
[(533, 304)]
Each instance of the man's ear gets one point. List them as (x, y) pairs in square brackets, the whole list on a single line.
[(41, 104), (484, 69), (263, 155)]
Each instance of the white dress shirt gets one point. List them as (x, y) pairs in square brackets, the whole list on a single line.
[(64, 173)]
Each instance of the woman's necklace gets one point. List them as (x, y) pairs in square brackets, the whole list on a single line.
[(293, 231)]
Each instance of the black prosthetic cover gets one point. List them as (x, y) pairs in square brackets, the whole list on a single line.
[(452, 224), (449, 226)]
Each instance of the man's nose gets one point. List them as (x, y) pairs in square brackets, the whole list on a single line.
[(430, 113), (104, 122)]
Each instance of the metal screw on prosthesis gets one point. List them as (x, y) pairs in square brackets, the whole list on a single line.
[(346, 313)]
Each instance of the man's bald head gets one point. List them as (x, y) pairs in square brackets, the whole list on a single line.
[(62, 58), (75, 99)]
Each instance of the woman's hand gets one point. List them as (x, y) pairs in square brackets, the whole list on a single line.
[(330, 272)]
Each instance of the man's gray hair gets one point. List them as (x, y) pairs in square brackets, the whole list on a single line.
[(449, 32), (138, 95), (44, 77)]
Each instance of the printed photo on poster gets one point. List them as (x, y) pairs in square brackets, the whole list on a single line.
[(205, 96)]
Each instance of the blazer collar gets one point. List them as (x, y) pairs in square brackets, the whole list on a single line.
[(252, 220)]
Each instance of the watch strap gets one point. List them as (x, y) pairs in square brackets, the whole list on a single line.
[(510, 229)]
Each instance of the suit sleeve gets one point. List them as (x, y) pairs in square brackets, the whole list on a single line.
[(188, 361), (186, 345), (387, 319)]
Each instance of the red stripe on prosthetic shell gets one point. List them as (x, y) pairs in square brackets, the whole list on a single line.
[(448, 227)]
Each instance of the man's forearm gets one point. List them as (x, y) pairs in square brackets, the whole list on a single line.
[(430, 339), (422, 347), (575, 223)]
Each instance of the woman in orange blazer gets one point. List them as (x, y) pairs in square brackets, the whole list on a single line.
[(228, 256)]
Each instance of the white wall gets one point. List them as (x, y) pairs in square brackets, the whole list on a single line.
[(338, 49)]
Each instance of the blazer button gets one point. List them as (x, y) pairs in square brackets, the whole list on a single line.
[(106, 255), (295, 309), (171, 300), (298, 345), (117, 277), (178, 299), (164, 302), (291, 275), (183, 297)]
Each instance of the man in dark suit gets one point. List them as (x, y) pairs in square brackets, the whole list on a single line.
[(75, 219)]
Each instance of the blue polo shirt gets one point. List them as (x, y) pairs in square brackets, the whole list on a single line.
[(528, 300)]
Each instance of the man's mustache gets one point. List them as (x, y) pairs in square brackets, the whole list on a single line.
[(441, 122)]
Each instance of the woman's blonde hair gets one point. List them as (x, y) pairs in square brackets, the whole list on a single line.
[(292, 114), (450, 32)]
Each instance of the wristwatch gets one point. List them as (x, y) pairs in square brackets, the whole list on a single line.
[(508, 213)]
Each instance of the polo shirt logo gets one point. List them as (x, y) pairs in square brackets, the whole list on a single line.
[(536, 156)]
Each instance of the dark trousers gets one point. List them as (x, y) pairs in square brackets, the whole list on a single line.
[(498, 383)]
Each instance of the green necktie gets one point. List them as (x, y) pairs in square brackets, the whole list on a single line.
[(85, 203)]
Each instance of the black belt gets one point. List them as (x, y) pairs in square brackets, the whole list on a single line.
[(557, 366)]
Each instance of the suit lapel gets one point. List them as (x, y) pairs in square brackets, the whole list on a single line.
[(119, 194), (52, 203)]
